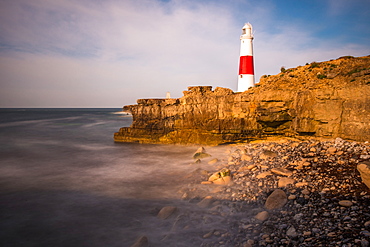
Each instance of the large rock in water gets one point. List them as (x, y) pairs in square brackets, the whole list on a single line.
[(327, 99)]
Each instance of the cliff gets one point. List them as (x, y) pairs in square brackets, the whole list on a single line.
[(327, 99)]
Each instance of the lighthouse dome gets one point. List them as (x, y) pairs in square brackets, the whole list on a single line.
[(247, 26), (247, 30)]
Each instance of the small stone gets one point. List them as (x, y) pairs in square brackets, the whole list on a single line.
[(305, 192), (277, 199), (331, 150), (367, 223), (292, 232), (306, 234), (282, 171), (250, 167), (301, 184), (347, 218), (266, 154), (262, 216), (141, 242), (331, 234), (292, 197), (206, 182), (345, 203), (166, 212), (246, 157), (283, 182), (264, 174), (364, 243)]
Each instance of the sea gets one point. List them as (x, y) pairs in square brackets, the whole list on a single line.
[(65, 182)]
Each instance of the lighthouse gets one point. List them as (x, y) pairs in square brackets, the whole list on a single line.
[(246, 68)]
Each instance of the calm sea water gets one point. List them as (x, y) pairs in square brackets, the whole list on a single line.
[(64, 182)]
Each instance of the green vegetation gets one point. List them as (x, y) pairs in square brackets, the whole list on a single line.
[(320, 76), (314, 65), (346, 57), (356, 70), (282, 69)]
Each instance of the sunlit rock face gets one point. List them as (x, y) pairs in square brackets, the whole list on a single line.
[(327, 99)]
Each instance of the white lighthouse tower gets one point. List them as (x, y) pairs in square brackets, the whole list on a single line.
[(246, 68)]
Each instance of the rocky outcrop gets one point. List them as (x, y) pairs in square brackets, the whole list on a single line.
[(328, 99)]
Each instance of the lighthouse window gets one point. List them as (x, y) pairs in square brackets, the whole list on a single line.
[(244, 31), (241, 76)]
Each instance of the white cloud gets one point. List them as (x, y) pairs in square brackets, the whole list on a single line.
[(110, 53)]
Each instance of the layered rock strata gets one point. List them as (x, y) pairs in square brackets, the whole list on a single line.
[(328, 99)]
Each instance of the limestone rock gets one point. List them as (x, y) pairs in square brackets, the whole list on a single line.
[(277, 199), (364, 170), (141, 242), (166, 212), (297, 103)]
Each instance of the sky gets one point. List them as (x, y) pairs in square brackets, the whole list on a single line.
[(93, 53)]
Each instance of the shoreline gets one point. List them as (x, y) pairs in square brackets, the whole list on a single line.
[(320, 199)]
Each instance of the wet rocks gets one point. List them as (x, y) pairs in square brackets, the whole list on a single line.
[(200, 154), (322, 201), (222, 177), (166, 212)]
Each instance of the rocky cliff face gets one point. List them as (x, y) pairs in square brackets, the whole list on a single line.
[(327, 99)]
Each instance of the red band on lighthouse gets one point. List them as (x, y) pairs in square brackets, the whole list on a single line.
[(246, 65)]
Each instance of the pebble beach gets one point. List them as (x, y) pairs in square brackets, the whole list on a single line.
[(277, 193)]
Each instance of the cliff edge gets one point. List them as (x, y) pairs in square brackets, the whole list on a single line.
[(327, 99)]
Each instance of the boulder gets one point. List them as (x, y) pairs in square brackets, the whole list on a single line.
[(364, 169), (276, 200)]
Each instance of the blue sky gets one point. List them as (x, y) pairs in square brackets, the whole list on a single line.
[(90, 53)]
